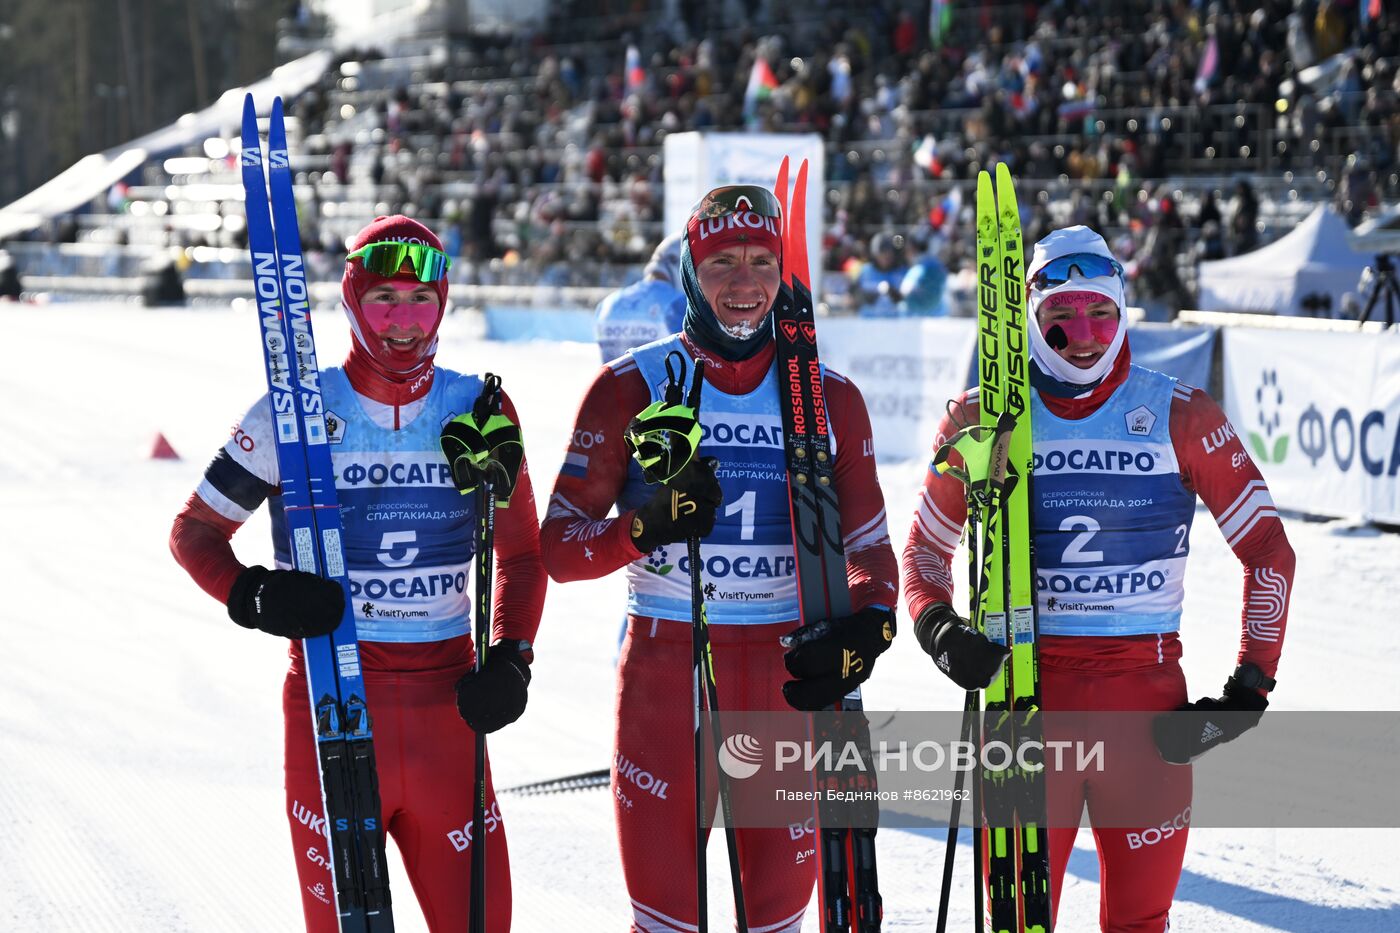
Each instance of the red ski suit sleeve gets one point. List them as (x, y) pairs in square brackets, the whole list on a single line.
[(200, 536), (580, 542), (1214, 465)]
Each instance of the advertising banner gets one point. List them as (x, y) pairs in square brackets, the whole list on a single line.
[(906, 368), (1183, 352), (1320, 414)]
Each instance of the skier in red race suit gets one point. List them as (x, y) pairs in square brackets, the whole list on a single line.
[(733, 495), (1121, 455), (409, 547)]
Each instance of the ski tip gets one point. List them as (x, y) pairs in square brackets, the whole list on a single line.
[(780, 189), (277, 107), (798, 255)]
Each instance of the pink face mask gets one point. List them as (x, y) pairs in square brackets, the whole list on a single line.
[(380, 316), (1080, 328)]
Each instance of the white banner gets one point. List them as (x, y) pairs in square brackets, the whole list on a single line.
[(907, 369), (1320, 414), (696, 162)]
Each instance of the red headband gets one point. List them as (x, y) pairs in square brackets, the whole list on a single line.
[(744, 228)]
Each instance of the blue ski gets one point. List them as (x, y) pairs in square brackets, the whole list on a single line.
[(340, 716)]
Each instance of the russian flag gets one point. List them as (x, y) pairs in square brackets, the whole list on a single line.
[(633, 75), (575, 465)]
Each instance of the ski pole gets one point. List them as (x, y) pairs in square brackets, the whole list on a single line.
[(488, 403), (705, 671)]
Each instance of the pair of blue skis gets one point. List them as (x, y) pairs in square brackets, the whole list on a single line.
[(344, 737)]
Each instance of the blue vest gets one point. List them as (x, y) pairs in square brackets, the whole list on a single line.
[(1112, 518), (749, 569), (408, 535), (639, 314)]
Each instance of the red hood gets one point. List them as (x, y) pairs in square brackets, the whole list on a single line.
[(1073, 409), (370, 379)]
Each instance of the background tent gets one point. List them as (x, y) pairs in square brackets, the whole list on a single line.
[(1314, 264)]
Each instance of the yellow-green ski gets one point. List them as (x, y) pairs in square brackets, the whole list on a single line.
[(1028, 785)]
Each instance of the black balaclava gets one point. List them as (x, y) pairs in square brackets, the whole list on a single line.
[(702, 327)]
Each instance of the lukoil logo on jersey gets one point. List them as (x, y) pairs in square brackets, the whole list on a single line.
[(311, 819), (625, 769)]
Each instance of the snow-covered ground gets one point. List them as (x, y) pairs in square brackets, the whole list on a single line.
[(140, 731)]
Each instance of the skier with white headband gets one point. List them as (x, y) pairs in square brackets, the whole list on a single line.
[(1121, 455)]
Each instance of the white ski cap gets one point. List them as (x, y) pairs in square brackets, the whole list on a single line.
[(1066, 242), (665, 262)]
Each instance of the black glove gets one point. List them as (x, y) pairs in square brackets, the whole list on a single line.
[(1193, 729), (832, 657), (287, 603), (967, 656), (479, 445), (683, 508), (495, 696)]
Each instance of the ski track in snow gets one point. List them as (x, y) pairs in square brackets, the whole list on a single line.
[(140, 731)]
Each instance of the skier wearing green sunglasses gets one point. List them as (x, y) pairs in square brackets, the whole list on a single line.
[(409, 542)]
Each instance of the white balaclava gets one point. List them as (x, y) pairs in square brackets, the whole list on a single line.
[(1067, 242)]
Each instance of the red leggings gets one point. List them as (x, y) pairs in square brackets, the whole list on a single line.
[(1139, 866), (424, 755), (653, 778)]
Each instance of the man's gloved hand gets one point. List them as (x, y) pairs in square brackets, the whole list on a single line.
[(832, 657), (967, 656), (480, 446), (683, 508), (286, 603), (1193, 729), (495, 696)]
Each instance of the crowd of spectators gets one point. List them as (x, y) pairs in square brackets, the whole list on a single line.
[(1174, 127)]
